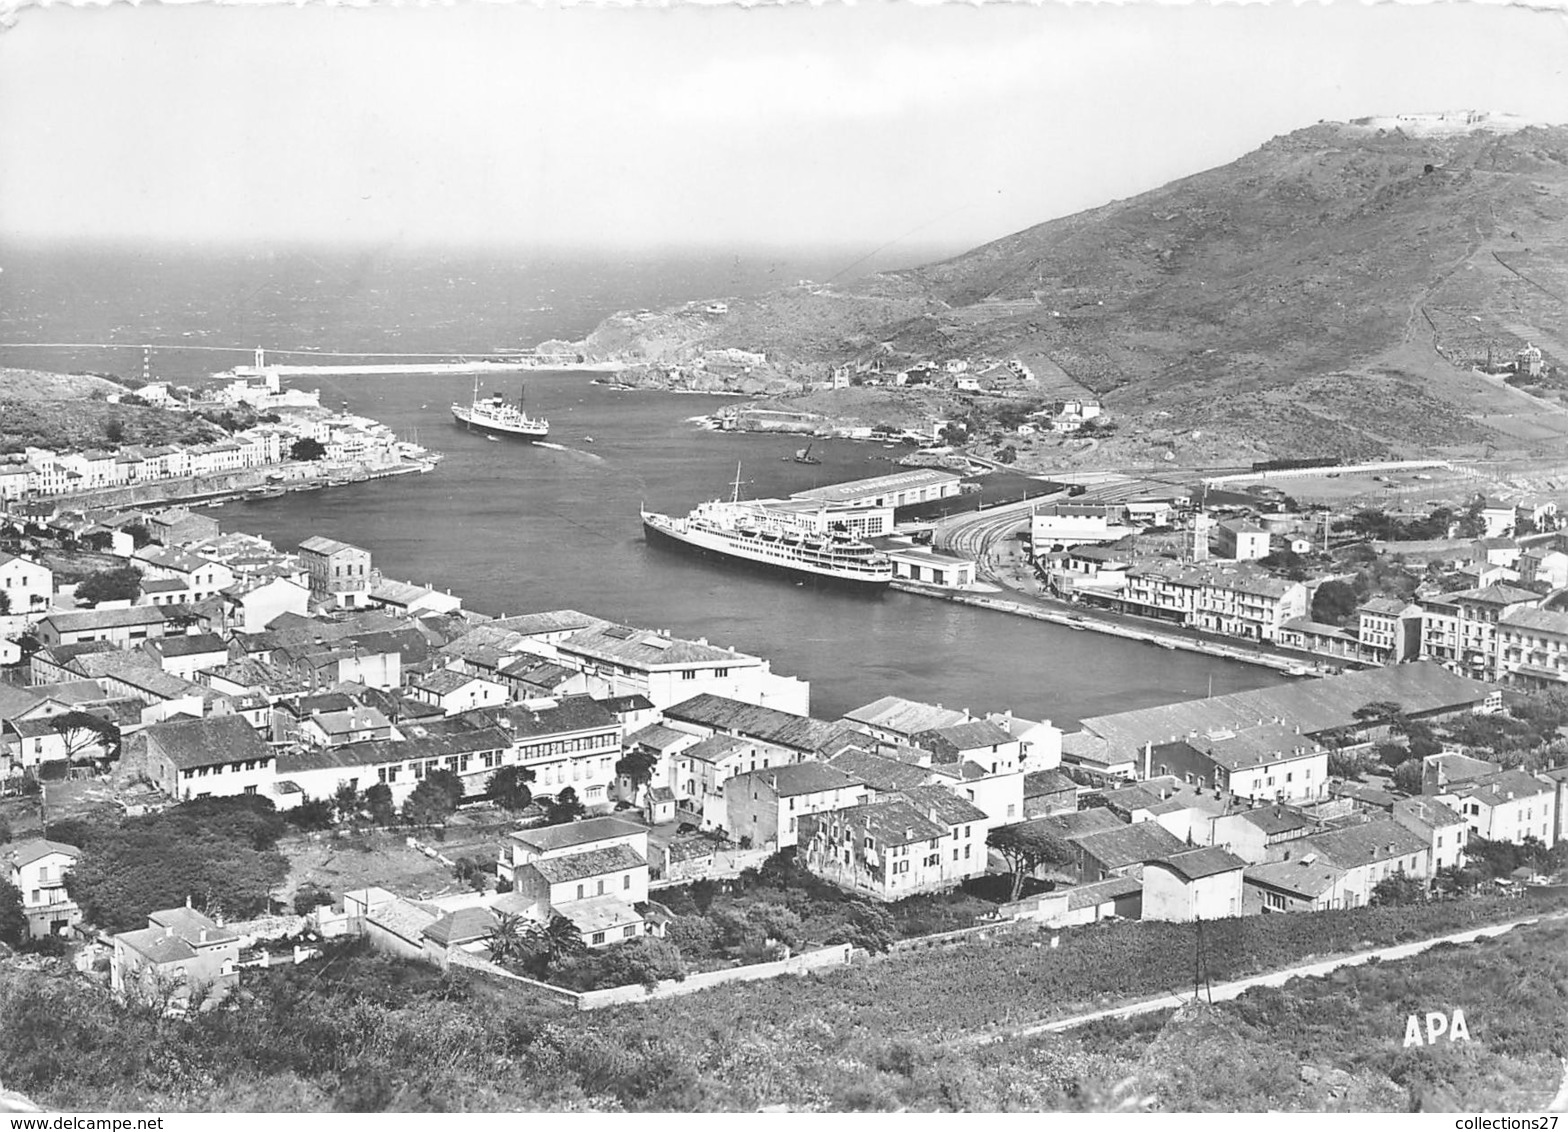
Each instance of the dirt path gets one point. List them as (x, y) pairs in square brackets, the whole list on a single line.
[(1225, 991)]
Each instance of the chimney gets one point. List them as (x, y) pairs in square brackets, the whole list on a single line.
[(1148, 759), (202, 938)]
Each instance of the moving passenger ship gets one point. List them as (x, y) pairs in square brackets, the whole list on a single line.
[(493, 415), (777, 536)]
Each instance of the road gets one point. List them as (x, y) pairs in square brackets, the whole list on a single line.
[(1225, 991)]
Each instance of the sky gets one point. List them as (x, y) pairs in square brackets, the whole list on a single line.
[(516, 125)]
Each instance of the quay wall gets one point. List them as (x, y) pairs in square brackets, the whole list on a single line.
[(1087, 621), (216, 485)]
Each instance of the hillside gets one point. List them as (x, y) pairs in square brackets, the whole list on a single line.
[(68, 412), (1328, 292)]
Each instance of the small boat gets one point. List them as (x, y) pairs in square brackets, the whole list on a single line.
[(804, 456), (493, 439), (1165, 644), (587, 440), (1298, 670)]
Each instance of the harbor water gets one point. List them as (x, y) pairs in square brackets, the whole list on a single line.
[(514, 527)]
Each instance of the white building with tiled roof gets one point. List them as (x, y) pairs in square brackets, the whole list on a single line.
[(669, 670)]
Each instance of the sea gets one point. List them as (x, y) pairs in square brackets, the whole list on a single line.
[(516, 528)]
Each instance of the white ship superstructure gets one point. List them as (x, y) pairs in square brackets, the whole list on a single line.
[(803, 538), (493, 415)]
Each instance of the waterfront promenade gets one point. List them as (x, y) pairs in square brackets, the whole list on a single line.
[(987, 537)]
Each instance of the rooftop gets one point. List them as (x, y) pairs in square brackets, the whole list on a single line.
[(643, 648), (1102, 892), (800, 778), (317, 544), (905, 717), (589, 863), (878, 485), (884, 775), (212, 741), (1130, 845), (1317, 705), (798, 732), (551, 838), (1195, 864)]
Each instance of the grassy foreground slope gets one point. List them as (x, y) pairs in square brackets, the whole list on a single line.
[(361, 1031)]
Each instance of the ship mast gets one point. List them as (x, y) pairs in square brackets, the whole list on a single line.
[(736, 497)]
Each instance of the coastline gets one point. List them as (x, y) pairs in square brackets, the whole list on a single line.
[(1091, 623)]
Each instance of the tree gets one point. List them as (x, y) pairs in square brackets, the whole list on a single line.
[(1350, 763), (312, 814), (123, 583), (309, 897), (307, 448), (868, 927), (1408, 777), (1025, 848), (378, 800), (114, 431), (1382, 712), (1333, 602), (562, 939), (1401, 888), (13, 921), (564, 808), (637, 767), (140, 535), (82, 731), (347, 802), (434, 800), (508, 788), (219, 853), (513, 940)]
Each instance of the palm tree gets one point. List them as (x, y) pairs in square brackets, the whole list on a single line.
[(513, 940), (562, 939)]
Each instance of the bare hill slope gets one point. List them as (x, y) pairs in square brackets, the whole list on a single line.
[(1329, 291)]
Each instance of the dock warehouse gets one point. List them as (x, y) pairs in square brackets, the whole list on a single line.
[(901, 489)]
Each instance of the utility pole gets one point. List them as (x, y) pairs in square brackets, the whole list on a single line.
[(1200, 967)]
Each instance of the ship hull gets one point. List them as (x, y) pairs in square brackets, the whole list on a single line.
[(709, 546), (468, 421)]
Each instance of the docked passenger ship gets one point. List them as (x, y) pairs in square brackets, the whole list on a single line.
[(493, 415), (797, 537)]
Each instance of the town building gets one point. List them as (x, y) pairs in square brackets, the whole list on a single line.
[(1532, 647), (339, 572), (26, 586), (216, 757), (37, 871), (669, 670), (893, 849), (181, 958), (900, 489), (1272, 762), (765, 806), (1242, 541), (1444, 829), (1197, 884), (118, 626), (1507, 805)]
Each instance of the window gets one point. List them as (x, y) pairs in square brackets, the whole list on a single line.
[(966, 851), (626, 881), (250, 789), (579, 892), (688, 674), (601, 887), (598, 937), (628, 932)]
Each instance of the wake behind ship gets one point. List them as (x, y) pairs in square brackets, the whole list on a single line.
[(797, 539), (493, 415)]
